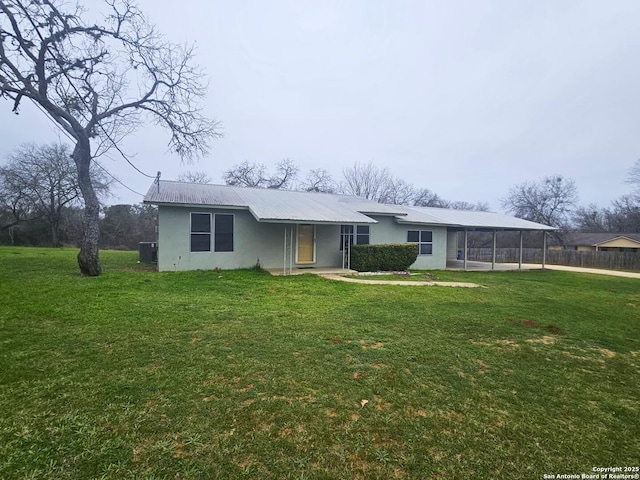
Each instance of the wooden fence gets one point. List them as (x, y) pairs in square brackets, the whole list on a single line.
[(609, 260)]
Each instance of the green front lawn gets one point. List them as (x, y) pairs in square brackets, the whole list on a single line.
[(237, 374)]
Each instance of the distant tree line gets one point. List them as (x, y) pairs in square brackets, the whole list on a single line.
[(41, 203), (361, 179), (122, 227)]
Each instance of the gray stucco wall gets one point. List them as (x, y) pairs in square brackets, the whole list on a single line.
[(388, 231), (252, 241), (265, 241)]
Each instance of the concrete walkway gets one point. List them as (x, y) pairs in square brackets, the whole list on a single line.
[(409, 283), (595, 271), (486, 266)]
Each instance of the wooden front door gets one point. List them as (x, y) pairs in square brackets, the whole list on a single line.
[(306, 244)]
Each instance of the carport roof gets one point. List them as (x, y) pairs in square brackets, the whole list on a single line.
[(466, 219)]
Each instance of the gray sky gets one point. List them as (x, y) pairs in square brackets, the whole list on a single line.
[(466, 98)]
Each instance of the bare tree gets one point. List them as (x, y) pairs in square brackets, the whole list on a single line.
[(591, 219), (396, 191), (462, 205), (43, 179), (194, 176), (366, 180), (98, 82), (285, 176), (319, 180), (634, 179), (549, 201), (15, 205), (624, 216), (254, 174), (426, 198), (245, 174)]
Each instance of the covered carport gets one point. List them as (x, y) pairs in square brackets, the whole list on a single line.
[(464, 263), (461, 222)]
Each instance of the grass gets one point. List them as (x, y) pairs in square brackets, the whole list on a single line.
[(237, 374)]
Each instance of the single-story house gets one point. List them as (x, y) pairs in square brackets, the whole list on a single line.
[(204, 226), (603, 242)]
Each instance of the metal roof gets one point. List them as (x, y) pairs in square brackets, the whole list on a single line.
[(282, 206), (269, 205), (467, 219), (594, 239)]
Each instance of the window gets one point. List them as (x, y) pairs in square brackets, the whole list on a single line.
[(362, 234), (347, 236), (200, 232), (223, 238), (424, 239)]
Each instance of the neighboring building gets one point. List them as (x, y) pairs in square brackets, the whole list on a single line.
[(215, 226), (603, 242)]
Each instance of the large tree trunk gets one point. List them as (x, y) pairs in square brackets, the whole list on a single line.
[(55, 234), (89, 257)]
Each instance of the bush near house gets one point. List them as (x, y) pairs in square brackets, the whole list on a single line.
[(386, 258)]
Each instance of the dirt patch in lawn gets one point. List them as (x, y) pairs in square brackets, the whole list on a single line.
[(536, 324)]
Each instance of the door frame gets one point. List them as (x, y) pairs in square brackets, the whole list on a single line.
[(313, 241)]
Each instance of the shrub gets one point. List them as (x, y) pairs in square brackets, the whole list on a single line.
[(390, 257)]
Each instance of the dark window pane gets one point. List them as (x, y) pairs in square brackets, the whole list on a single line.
[(200, 242), (362, 239), (425, 249), (413, 236), (426, 236), (223, 241), (224, 223), (362, 236), (201, 222)]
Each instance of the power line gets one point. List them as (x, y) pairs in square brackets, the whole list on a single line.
[(95, 161), (75, 89)]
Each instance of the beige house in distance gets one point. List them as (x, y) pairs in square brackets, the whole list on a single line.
[(603, 242)]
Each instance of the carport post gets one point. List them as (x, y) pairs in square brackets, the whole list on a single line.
[(544, 248), (465, 249), (520, 256), (493, 254)]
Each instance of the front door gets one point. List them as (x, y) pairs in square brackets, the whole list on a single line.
[(306, 244)]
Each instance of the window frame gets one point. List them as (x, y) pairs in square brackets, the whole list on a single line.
[(365, 237), (423, 243), (216, 239), (353, 233), (199, 233)]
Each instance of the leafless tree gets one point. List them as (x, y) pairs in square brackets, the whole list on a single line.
[(246, 174), (396, 191), (285, 176), (99, 82), (463, 205), (591, 219), (624, 216), (634, 179), (426, 198), (254, 174), (43, 180), (319, 180), (366, 180), (549, 201), (194, 176), (15, 205)]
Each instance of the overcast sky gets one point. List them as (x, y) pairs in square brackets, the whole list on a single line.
[(466, 98)]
